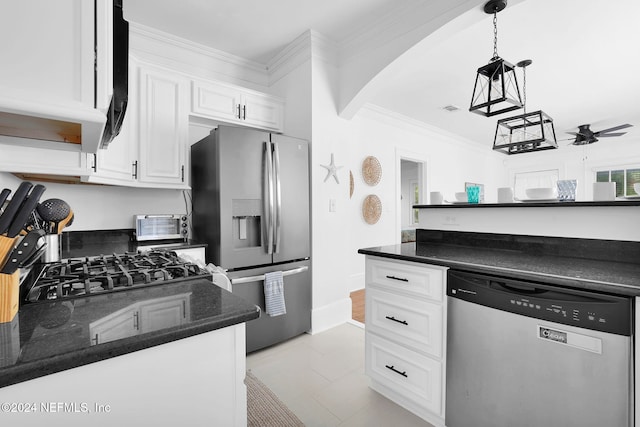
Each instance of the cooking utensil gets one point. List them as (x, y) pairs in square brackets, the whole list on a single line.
[(53, 211), (14, 205), (64, 223), (23, 251)]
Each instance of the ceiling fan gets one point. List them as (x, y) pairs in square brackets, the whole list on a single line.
[(586, 136)]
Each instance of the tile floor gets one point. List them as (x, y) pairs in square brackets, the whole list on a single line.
[(321, 379)]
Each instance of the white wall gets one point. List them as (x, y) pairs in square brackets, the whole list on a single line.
[(101, 207)]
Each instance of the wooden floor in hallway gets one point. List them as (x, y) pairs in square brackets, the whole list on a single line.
[(357, 305)]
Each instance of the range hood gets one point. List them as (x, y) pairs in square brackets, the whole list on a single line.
[(74, 98)]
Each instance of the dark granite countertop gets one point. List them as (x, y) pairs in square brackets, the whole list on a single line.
[(48, 337), (540, 204), (604, 266)]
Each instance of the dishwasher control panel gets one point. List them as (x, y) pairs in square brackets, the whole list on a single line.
[(583, 309)]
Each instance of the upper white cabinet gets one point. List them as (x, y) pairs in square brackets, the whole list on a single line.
[(233, 104), (151, 149), (163, 127), (51, 94)]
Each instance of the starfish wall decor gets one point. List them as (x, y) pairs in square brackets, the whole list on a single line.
[(332, 170)]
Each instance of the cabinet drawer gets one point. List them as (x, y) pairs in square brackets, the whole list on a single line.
[(414, 278), (410, 374), (414, 322)]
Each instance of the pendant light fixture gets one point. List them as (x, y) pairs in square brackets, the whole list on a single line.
[(496, 88), (526, 132)]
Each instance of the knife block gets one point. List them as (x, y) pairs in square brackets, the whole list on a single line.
[(9, 296), (6, 247)]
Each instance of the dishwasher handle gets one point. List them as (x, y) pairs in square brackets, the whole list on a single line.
[(520, 289)]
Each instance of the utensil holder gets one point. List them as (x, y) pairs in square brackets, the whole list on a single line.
[(53, 251), (9, 296)]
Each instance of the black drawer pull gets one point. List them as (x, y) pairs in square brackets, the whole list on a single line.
[(404, 322), (397, 278), (404, 374)]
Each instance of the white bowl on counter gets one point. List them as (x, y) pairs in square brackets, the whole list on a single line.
[(461, 196), (541, 193)]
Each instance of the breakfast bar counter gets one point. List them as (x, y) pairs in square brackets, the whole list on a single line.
[(600, 265)]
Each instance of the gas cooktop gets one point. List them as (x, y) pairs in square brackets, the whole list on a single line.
[(77, 277)]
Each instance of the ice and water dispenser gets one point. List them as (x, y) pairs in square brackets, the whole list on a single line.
[(246, 223)]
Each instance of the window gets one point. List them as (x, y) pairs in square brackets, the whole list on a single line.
[(623, 177)]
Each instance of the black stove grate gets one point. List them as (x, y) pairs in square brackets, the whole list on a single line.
[(77, 277)]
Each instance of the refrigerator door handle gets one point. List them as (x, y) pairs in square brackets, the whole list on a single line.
[(260, 277), (278, 202), (267, 198)]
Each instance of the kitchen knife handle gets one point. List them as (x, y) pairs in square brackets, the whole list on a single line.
[(14, 205), (24, 213), (3, 196)]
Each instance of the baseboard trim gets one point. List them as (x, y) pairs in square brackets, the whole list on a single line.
[(330, 315)]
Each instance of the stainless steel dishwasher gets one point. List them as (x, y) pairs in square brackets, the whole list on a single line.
[(523, 354)]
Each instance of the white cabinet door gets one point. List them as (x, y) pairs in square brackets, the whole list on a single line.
[(51, 94), (217, 101), (410, 374), (164, 128), (262, 111), (415, 322), (47, 49), (233, 104), (117, 164), (40, 161)]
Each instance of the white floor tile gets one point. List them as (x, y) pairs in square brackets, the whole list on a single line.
[(321, 379)]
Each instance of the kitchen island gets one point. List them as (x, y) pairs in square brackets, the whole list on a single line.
[(160, 355), (406, 354)]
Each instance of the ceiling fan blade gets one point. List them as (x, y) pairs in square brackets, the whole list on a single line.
[(626, 125), (600, 135), (573, 133)]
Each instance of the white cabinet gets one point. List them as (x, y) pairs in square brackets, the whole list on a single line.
[(31, 160), (405, 334), (152, 147), (232, 104), (51, 94), (195, 381), (163, 127)]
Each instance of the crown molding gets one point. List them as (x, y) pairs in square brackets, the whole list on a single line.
[(194, 58), (308, 45), (384, 115)]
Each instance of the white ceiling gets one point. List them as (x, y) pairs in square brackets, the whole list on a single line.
[(586, 60)]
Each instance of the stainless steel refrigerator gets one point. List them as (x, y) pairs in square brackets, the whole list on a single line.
[(250, 193)]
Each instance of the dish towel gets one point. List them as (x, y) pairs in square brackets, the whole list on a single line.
[(274, 294)]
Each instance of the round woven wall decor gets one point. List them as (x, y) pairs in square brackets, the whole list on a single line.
[(371, 170), (351, 184), (371, 209)]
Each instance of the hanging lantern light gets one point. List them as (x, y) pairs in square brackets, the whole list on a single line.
[(526, 132), (496, 88)]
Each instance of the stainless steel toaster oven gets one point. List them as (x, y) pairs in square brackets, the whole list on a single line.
[(161, 227)]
